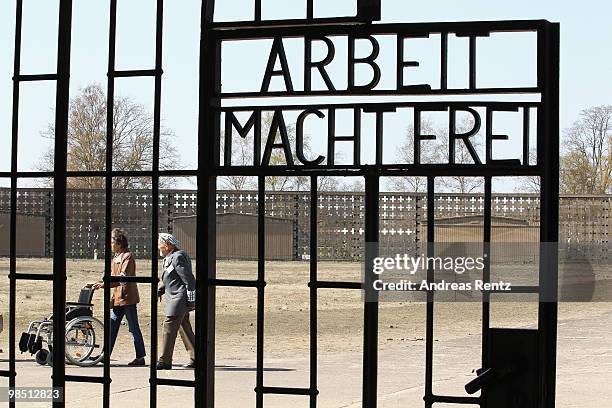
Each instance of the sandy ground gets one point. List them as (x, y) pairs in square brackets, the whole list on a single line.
[(585, 351)]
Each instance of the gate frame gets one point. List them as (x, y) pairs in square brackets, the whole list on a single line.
[(547, 168), (208, 169)]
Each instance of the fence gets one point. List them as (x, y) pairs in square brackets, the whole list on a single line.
[(585, 221)]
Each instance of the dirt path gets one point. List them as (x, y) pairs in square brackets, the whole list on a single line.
[(585, 370), (585, 348)]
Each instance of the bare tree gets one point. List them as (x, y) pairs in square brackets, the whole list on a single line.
[(529, 184), (132, 140), (329, 183), (405, 154), (242, 155), (586, 166), (436, 151), (354, 185)]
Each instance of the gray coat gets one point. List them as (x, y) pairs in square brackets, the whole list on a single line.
[(177, 283)]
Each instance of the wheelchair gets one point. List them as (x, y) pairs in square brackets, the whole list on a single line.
[(84, 334)]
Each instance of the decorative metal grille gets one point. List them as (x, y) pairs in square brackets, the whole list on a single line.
[(585, 221)]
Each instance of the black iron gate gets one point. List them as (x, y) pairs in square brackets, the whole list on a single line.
[(211, 165)]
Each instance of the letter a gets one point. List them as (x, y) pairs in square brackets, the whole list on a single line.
[(277, 127), (277, 51)]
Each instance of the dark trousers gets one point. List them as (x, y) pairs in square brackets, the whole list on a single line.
[(131, 314), (172, 326)]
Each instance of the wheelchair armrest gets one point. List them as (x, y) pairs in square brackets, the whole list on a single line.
[(77, 304)]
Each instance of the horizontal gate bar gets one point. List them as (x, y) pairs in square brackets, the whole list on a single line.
[(336, 285), (136, 73), (32, 276), (439, 170), (27, 174), (369, 107), (137, 279), (235, 282), (317, 22), (7, 373), (87, 379), (464, 28), (112, 173), (35, 77), (172, 382), (452, 400), (287, 391), (383, 92), (423, 170), (121, 173)]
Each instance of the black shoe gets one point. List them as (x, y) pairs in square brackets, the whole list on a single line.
[(137, 362), (163, 366), (191, 364)]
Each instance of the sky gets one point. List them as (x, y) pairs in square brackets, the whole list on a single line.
[(586, 64)]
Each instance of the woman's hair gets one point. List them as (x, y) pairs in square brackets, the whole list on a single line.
[(120, 237)]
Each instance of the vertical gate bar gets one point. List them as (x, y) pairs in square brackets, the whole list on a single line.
[(12, 284), (313, 290), (155, 197), (208, 132), (429, 340), (62, 103), (486, 277), (444, 60), (108, 196), (309, 9), (261, 282), (472, 63), (205, 294), (549, 213), (295, 239), (257, 10), (370, 319), (526, 115), (13, 198)]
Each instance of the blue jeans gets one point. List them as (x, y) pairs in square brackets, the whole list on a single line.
[(131, 314)]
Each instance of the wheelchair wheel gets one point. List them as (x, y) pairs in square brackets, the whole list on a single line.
[(42, 356), (34, 344), (84, 340), (23, 342)]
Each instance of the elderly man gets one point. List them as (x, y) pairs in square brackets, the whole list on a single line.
[(178, 287)]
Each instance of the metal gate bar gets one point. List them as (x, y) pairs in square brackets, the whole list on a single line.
[(486, 277), (108, 185), (370, 317), (13, 210), (152, 280), (62, 103), (429, 326), (548, 159), (62, 78), (12, 250), (261, 280), (314, 205)]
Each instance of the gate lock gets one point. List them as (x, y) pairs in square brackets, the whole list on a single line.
[(511, 380)]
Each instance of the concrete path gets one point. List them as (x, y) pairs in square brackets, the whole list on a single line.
[(584, 375)]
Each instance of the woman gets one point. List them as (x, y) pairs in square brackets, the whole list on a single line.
[(178, 286), (124, 295)]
